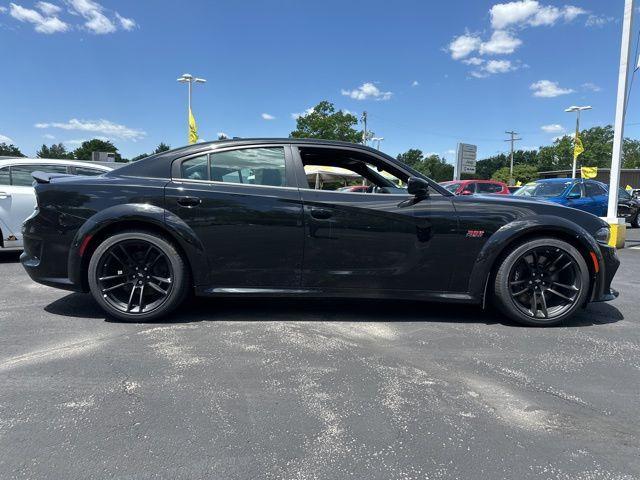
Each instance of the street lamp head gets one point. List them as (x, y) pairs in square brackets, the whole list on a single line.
[(575, 108), (199, 80)]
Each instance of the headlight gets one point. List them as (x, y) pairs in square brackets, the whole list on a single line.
[(602, 235)]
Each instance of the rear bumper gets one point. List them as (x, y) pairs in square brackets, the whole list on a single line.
[(609, 263)]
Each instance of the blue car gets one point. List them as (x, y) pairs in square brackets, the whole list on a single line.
[(587, 195)]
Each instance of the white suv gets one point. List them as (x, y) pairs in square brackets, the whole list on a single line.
[(17, 197)]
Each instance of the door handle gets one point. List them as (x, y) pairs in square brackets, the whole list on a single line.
[(189, 201), (321, 213), (4, 195)]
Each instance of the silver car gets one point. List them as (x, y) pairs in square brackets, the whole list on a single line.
[(17, 197)]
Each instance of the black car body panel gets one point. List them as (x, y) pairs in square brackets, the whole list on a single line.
[(289, 239)]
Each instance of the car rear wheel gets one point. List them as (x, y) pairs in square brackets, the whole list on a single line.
[(541, 282), (137, 276), (635, 222)]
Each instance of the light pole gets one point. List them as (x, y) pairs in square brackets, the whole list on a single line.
[(377, 139), (576, 109), (190, 79)]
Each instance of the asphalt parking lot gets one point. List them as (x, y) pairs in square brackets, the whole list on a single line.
[(316, 389)]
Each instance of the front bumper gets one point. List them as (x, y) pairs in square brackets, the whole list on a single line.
[(608, 263)]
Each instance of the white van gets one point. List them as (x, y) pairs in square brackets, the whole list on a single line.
[(17, 197)]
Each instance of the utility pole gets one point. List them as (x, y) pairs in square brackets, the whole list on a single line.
[(513, 139), (576, 109), (364, 132)]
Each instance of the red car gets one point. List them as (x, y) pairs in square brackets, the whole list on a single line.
[(469, 187)]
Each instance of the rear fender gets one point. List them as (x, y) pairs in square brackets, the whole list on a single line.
[(135, 215), (512, 233)]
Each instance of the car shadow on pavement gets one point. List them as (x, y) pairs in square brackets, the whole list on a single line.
[(336, 310), (10, 257)]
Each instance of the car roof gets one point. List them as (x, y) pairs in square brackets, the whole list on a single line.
[(52, 161), (556, 180)]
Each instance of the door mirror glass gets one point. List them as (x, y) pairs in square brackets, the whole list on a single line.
[(418, 187)]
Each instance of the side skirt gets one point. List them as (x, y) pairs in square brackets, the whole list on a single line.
[(448, 297)]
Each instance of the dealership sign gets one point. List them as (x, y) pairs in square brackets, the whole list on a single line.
[(466, 161)]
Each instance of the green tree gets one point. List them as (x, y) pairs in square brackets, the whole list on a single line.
[(486, 167), (631, 153), (57, 150), (411, 157), (9, 150), (521, 173), (324, 122), (83, 152), (162, 147), (222, 136), (139, 157)]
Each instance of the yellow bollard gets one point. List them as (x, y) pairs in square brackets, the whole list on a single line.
[(618, 232)]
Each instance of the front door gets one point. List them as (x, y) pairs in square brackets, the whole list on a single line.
[(246, 212), (370, 238)]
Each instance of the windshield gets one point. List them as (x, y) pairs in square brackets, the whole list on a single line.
[(542, 189), (452, 187)]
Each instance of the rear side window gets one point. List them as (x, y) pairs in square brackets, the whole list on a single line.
[(255, 166), (5, 178), (92, 172), (489, 188), (196, 168), (593, 190), (21, 174)]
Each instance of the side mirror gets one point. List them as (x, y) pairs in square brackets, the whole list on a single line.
[(418, 187), (466, 192)]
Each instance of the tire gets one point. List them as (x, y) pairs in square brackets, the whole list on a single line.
[(544, 272), (635, 222), (138, 276)]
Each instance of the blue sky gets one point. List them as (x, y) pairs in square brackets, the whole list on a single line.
[(429, 73)]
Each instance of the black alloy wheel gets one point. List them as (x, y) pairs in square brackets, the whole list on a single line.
[(137, 276), (542, 282)]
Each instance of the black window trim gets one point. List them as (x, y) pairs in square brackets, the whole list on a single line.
[(176, 173)]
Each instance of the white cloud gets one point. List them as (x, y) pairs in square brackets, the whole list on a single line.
[(473, 61), (104, 127), (266, 116), (592, 87), (126, 23), (96, 21), (5, 139), (297, 115), (43, 24), (598, 20), (500, 43), (548, 89), (48, 136), (530, 13), (463, 45), (493, 67), (415, 83), (553, 128), (48, 9), (3, 9), (367, 91)]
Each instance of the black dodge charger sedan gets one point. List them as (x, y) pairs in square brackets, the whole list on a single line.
[(264, 217)]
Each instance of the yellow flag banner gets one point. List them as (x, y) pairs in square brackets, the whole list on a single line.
[(589, 172), (628, 188), (193, 128), (518, 183), (577, 146)]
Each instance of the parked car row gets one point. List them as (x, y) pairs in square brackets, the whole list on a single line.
[(17, 197), (587, 195)]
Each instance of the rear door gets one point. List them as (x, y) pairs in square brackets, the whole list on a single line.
[(599, 198), (362, 241), (246, 210)]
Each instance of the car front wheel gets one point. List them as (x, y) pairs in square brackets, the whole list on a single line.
[(541, 282), (137, 276)]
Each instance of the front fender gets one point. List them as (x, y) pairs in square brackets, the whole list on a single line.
[(516, 230), (136, 215)]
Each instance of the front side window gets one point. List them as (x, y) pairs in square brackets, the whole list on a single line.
[(452, 187), (489, 188), (593, 189), (255, 166), (576, 191), (21, 174)]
